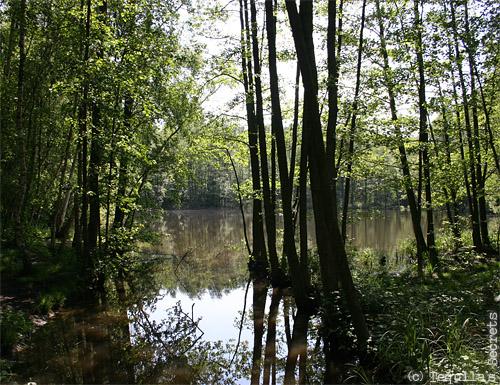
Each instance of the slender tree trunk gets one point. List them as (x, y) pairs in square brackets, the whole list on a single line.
[(298, 346), (333, 258), (270, 216), (118, 220), (66, 200), (353, 126), (240, 201), (407, 182), (424, 135), (19, 213), (77, 234), (56, 217), (300, 277), (483, 219), (259, 248), (83, 133), (487, 126), (474, 207), (111, 165), (331, 130), (304, 247), (295, 122), (94, 222), (453, 190), (450, 203), (460, 137)]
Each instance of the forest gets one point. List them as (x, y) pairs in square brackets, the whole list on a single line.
[(249, 191)]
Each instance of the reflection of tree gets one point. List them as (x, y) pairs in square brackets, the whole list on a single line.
[(259, 306), (270, 355), (119, 345), (206, 250), (194, 273), (174, 353), (81, 346), (165, 343), (284, 350)]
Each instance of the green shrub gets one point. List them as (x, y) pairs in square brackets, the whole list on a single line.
[(14, 325), (50, 301), (407, 248), (6, 373)]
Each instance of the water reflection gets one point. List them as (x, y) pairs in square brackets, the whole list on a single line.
[(215, 231), (180, 321), (81, 346)]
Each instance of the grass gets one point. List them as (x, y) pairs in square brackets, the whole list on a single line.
[(438, 325)]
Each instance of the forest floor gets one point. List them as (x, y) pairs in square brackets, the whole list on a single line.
[(435, 330)]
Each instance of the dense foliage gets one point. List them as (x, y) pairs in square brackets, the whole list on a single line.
[(113, 109)]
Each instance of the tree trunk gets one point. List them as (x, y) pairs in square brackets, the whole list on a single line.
[(333, 76), (453, 190), (298, 346), (270, 353), (487, 126), (407, 182), (258, 248), (83, 132), (300, 280), (118, 220), (424, 136), (19, 220), (333, 258), (483, 219), (474, 207), (353, 126), (295, 123), (270, 216), (57, 218)]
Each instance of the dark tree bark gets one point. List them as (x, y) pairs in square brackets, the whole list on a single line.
[(483, 217), (424, 135), (352, 130), (258, 247), (474, 206), (487, 126), (300, 279), (407, 182), (81, 231), (118, 220), (333, 76), (270, 216), (19, 214), (333, 258), (295, 125), (298, 346)]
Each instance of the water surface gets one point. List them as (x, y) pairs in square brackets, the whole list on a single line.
[(182, 324)]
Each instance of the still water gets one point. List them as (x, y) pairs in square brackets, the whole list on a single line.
[(191, 316)]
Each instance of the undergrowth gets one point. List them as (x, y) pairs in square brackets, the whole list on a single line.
[(433, 327)]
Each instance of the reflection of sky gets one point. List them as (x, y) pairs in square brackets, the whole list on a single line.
[(220, 317)]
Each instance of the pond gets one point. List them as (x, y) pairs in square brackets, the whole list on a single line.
[(192, 315)]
